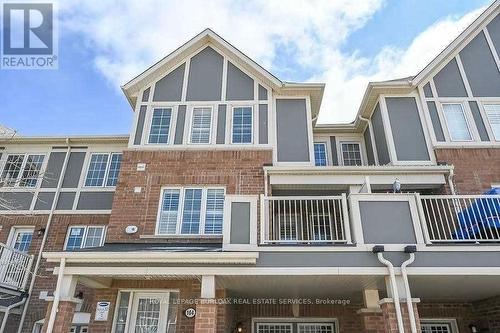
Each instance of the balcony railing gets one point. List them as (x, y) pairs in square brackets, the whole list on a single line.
[(14, 267), (305, 220), (461, 218)]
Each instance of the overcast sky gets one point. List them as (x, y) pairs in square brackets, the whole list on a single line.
[(344, 43)]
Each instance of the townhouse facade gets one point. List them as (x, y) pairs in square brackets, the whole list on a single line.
[(227, 208)]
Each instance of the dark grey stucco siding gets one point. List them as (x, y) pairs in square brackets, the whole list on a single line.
[(262, 93), (292, 134), (73, 170), (16, 200), (44, 201), (65, 201), (239, 86), (205, 76), (333, 146), (407, 131), (436, 123), (480, 68), (221, 124), (494, 31), (169, 88), (387, 222), (179, 126), (95, 200), (449, 82), (140, 125), (478, 120), (53, 171), (263, 124), (379, 134), (240, 223), (428, 90), (369, 147)]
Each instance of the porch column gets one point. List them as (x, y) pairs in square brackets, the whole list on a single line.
[(371, 315), (65, 303), (206, 309)]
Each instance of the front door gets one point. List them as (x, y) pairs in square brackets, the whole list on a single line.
[(149, 313)]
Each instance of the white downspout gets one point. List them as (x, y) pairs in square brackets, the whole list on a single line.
[(409, 302), (45, 235), (57, 296), (450, 182), (7, 311), (395, 294)]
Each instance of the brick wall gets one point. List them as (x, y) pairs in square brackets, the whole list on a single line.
[(475, 169), (239, 171)]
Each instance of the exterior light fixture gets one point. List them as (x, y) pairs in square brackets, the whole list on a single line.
[(396, 186), (473, 328), (40, 232)]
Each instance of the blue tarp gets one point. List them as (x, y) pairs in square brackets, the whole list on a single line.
[(482, 216)]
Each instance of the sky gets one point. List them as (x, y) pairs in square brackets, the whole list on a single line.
[(343, 43)]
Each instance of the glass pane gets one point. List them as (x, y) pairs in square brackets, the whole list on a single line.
[(75, 238), (191, 212), (31, 170), (242, 125), (172, 313), (94, 236), (97, 170), (351, 154), (160, 125), (320, 154), (200, 128), (114, 169), (493, 113), (121, 316), (167, 223), (215, 211), (23, 241), (274, 328), (148, 315), (456, 121), (12, 169), (316, 328), (436, 328)]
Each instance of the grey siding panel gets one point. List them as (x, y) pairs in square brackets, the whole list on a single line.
[(292, 134), (179, 126), (449, 82), (494, 31), (263, 124), (333, 145), (65, 201), (44, 201), (480, 68), (53, 171), (145, 95), (140, 125), (205, 76), (436, 123), (240, 223), (73, 170), (221, 124), (407, 131), (379, 134), (369, 147), (239, 85), (478, 119), (95, 201), (386, 222), (262, 93), (16, 200), (428, 90), (169, 88)]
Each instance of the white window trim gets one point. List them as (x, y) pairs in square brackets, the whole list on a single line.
[(327, 158), (106, 173), (210, 139), (203, 210), (15, 230), (86, 228), (446, 126), (486, 120), (252, 138), (350, 141), (448, 321), (171, 128), (17, 183)]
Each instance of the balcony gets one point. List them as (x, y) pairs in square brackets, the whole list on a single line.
[(14, 268)]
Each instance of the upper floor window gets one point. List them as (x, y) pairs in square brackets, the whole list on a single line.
[(493, 114), (22, 170), (160, 125), (456, 122), (80, 237), (191, 211), (201, 126), (242, 124), (320, 158), (103, 169), (21, 239), (351, 153)]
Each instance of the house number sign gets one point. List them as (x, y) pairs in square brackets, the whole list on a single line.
[(190, 312)]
